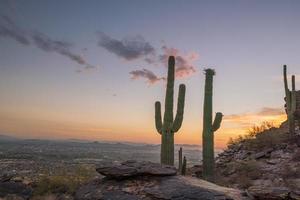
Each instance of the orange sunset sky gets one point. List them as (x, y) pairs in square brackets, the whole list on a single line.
[(93, 70)]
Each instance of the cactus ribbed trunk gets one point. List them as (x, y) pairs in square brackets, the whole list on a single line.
[(208, 136), (180, 159), (183, 170), (169, 126), (209, 127), (290, 99), (167, 148)]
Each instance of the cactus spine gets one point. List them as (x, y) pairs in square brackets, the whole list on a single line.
[(290, 99), (209, 128), (168, 126)]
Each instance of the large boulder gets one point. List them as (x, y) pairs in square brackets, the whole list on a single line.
[(270, 193), (133, 168), (149, 181), (17, 189)]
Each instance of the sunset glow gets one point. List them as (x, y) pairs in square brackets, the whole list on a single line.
[(93, 71)]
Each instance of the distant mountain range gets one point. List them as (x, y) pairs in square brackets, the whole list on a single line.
[(11, 138), (8, 138)]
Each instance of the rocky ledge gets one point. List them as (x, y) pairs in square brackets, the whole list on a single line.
[(134, 180), (11, 188)]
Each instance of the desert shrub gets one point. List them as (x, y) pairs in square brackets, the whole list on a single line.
[(266, 135), (234, 141), (255, 130), (63, 181), (267, 139)]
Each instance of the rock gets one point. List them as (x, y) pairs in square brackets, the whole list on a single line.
[(242, 155), (259, 155), (196, 170), (6, 177), (277, 154), (15, 188), (295, 183), (134, 168), (295, 195), (273, 161), (150, 181), (269, 193), (266, 153), (262, 182), (155, 187)]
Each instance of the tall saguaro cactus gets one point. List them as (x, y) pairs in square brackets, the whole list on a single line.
[(290, 99), (168, 126), (209, 128)]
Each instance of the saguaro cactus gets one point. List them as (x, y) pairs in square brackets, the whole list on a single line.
[(183, 170), (209, 128), (290, 99), (180, 159), (168, 127)]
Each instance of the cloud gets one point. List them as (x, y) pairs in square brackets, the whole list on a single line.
[(45, 43), (9, 29), (87, 68), (271, 111), (246, 120), (133, 48), (184, 63), (128, 48), (150, 77)]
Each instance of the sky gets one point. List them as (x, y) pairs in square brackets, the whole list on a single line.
[(93, 69)]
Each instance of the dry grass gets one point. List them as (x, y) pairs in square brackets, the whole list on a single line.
[(260, 137), (63, 182)]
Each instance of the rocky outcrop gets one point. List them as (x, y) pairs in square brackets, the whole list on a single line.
[(134, 180), (270, 193), (13, 189), (133, 168), (267, 166)]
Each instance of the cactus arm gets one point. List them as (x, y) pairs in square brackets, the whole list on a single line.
[(286, 87), (217, 121), (293, 96), (158, 122), (168, 116), (180, 109), (293, 83)]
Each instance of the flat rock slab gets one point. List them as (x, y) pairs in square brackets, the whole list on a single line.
[(148, 188), (271, 193), (133, 168), (133, 180)]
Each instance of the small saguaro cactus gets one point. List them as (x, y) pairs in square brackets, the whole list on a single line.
[(290, 99), (180, 159), (168, 126), (209, 128), (183, 169)]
